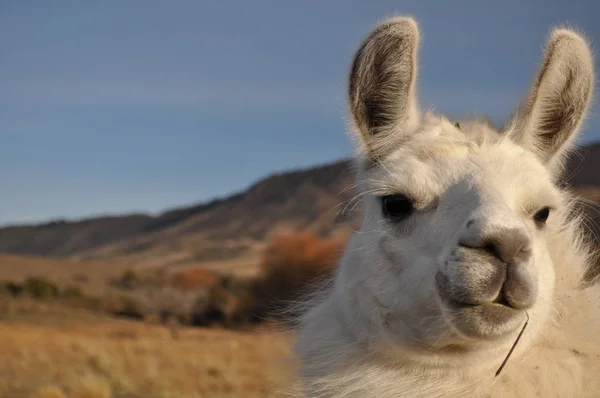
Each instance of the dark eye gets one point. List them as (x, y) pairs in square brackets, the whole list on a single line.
[(396, 206), (542, 215)]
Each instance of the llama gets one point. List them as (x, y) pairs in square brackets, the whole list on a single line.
[(467, 234)]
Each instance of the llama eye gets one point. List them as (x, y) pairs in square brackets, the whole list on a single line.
[(457, 125), (396, 206), (542, 215)]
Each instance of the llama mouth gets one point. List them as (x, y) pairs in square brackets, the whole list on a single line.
[(501, 299), (486, 321)]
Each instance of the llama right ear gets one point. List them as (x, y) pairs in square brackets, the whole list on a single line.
[(381, 89), (551, 115)]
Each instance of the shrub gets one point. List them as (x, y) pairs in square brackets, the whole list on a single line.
[(129, 308), (290, 264), (40, 288), (128, 280), (214, 308), (11, 288), (72, 293)]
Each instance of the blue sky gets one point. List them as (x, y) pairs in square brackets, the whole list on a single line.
[(121, 106)]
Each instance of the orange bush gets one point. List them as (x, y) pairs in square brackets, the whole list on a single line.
[(289, 265), (301, 252)]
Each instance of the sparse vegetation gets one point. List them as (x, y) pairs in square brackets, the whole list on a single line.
[(72, 293), (13, 289), (128, 280), (40, 288), (130, 308), (96, 357), (200, 297), (54, 351)]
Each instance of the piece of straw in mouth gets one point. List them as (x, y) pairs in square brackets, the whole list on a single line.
[(513, 346)]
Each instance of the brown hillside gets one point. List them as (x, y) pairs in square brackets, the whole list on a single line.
[(224, 229)]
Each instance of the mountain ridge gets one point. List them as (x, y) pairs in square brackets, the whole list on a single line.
[(82, 238)]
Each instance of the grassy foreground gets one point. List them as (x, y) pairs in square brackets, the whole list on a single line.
[(51, 354)]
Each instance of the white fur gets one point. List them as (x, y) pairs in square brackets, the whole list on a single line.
[(380, 328)]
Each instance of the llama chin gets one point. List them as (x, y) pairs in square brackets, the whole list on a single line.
[(466, 235)]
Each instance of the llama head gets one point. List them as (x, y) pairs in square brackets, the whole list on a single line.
[(454, 245)]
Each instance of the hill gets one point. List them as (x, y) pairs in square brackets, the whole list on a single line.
[(232, 230), (208, 233)]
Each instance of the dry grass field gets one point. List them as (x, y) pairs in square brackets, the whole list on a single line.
[(55, 352), (90, 276), (55, 347), (93, 277)]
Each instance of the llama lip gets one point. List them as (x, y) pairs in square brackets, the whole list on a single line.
[(487, 321), (490, 320)]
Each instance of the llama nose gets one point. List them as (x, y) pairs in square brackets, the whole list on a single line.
[(505, 243)]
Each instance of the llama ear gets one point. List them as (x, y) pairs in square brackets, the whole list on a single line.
[(551, 115), (381, 87)]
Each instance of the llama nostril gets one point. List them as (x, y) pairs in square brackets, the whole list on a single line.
[(505, 251), (504, 244)]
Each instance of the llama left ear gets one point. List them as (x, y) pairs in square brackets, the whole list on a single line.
[(381, 89), (551, 115)]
